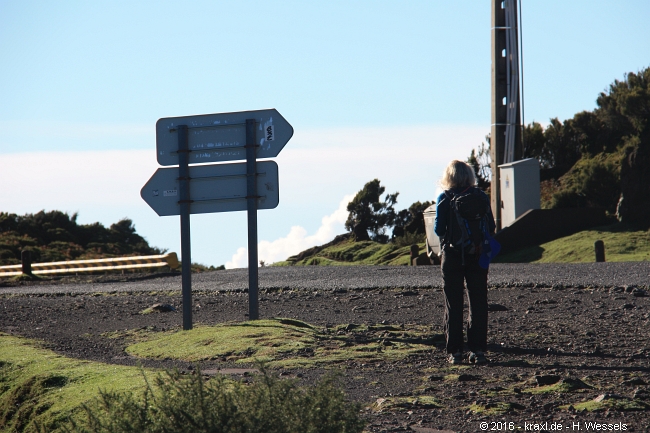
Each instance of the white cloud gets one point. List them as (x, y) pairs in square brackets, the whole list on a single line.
[(316, 169), (49, 135), (323, 162), (70, 180), (297, 240), (316, 163), (239, 259)]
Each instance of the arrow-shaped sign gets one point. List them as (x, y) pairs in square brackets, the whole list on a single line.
[(213, 188), (221, 137)]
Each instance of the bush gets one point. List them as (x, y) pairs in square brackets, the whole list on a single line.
[(409, 239), (178, 403), (56, 236), (592, 182)]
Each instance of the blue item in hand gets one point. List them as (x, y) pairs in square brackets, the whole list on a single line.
[(489, 253)]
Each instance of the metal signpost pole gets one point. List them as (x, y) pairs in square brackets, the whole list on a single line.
[(185, 200), (218, 187), (251, 198)]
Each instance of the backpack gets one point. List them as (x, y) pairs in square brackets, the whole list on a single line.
[(468, 229)]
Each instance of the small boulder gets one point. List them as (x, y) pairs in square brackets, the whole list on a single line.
[(543, 380), (158, 308)]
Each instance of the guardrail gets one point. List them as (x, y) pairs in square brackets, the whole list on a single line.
[(94, 265)]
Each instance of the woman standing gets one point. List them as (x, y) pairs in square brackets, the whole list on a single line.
[(459, 268)]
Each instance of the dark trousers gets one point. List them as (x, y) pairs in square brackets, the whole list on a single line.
[(455, 275)]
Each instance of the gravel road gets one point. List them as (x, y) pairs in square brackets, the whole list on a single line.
[(371, 277), (569, 344)]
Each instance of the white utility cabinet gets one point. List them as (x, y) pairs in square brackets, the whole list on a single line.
[(520, 190)]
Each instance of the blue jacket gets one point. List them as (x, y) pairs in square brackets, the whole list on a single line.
[(443, 209)]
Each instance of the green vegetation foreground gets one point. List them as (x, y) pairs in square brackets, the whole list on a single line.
[(43, 392)]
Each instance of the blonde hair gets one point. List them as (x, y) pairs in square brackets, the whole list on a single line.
[(458, 174)]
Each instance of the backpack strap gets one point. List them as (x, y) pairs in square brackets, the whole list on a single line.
[(463, 233), (450, 196)]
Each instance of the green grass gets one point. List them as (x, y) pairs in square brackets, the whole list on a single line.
[(563, 386), (491, 409), (622, 244), (41, 391), (44, 392), (263, 340), (349, 252), (286, 343), (406, 403), (619, 404), (25, 277), (38, 386)]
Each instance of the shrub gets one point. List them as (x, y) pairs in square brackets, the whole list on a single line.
[(409, 239), (178, 403), (592, 182)]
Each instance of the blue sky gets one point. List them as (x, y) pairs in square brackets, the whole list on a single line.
[(373, 89)]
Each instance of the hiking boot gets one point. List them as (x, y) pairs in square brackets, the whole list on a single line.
[(455, 358), (477, 358)]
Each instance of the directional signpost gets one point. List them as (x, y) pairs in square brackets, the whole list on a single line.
[(222, 137), (213, 188), (249, 186)]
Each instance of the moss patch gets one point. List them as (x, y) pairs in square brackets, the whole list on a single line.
[(287, 343), (38, 386), (135, 335), (614, 403), (451, 377), (404, 403), (26, 277), (564, 385), (495, 408)]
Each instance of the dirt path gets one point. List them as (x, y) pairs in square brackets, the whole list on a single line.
[(556, 353)]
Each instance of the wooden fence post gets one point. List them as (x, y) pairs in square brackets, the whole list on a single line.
[(26, 262), (599, 247)]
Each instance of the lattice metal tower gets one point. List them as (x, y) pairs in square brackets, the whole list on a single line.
[(505, 135)]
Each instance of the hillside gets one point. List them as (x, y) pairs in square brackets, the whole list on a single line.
[(344, 251), (56, 236), (599, 158), (623, 243), (595, 159)]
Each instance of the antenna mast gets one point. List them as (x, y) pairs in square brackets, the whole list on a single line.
[(505, 134)]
